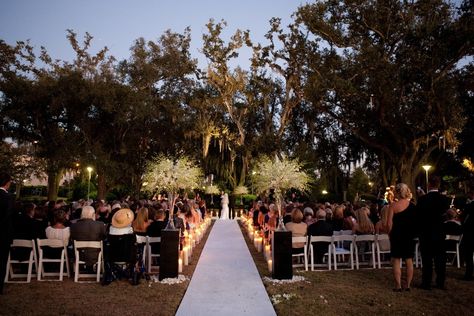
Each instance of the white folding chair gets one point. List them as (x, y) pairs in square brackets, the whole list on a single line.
[(17, 244), (53, 244), (87, 244), (345, 232), (141, 242), (341, 251), (418, 261), (150, 255), (362, 240), (381, 244), (305, 250), (315, 239), (457, 239)]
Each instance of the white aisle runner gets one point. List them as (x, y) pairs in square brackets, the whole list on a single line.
[(226, 281)]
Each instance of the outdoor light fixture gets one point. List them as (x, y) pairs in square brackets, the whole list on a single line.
[(427, 168), (324, 192), (89, 169)]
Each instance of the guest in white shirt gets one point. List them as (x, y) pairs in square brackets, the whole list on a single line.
[(57, 230)]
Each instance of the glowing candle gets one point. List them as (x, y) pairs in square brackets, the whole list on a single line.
[(267, 251), (185, 255), (270, 265), (180, 265)]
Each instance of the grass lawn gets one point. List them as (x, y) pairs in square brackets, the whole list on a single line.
[(362, 292), (365, 292), (118, 298)]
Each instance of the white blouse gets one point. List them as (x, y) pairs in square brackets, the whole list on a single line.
[(58, 233)]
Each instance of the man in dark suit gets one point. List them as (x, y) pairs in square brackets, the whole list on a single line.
[(6, 219), (320, 228), (87, 229), (431, 208)]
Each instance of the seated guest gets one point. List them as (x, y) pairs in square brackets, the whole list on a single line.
[(308, 216), (26, 226), (452, 225), (320, 228), (87, 229), (155, 228), (121, 246), (338, 218), (254, 212), (103, 213), (349, 219), (287, 215), (192, 217), (121, 238), (381, 227), (141, 223), (202, 208), (58, 230), (262, 215), (272, 222), (329, 215), (298, 229), (363, 225)]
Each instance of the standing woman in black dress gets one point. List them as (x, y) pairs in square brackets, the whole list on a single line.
[(401, 219)]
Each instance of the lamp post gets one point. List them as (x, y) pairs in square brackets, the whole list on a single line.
[(427, 168), (89, 170), (211, 178), (253, 174)]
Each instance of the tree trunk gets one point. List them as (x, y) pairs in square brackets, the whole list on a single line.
[(406, 174), (243, 171), (53, 184), (101, 186), (18, 189)]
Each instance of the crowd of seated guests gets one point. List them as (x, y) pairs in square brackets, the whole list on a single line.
[(115, 223)]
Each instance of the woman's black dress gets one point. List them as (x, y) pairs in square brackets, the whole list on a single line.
[(402, 234)]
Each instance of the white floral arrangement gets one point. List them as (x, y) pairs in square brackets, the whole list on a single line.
[(241, 190), (280, 175), (172, 175), (278, 298), (296, 278), (180, 279), (213, 189)]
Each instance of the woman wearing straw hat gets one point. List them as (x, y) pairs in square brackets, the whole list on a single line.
[(121, 246)]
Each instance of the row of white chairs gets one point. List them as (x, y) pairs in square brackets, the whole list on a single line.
[(340, 246), (344, 243), (35, 263)]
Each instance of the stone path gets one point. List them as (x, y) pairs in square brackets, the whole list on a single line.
[(226, 281)]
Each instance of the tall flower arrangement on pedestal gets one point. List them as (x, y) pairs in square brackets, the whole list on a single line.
[(172, 175), (279, 174), (213, 190), (241, 190)]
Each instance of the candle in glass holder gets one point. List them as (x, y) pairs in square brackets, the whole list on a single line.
[(258, 244), (255, 240), (180, 265), (185, 255), (270, 265), (267, 252)]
